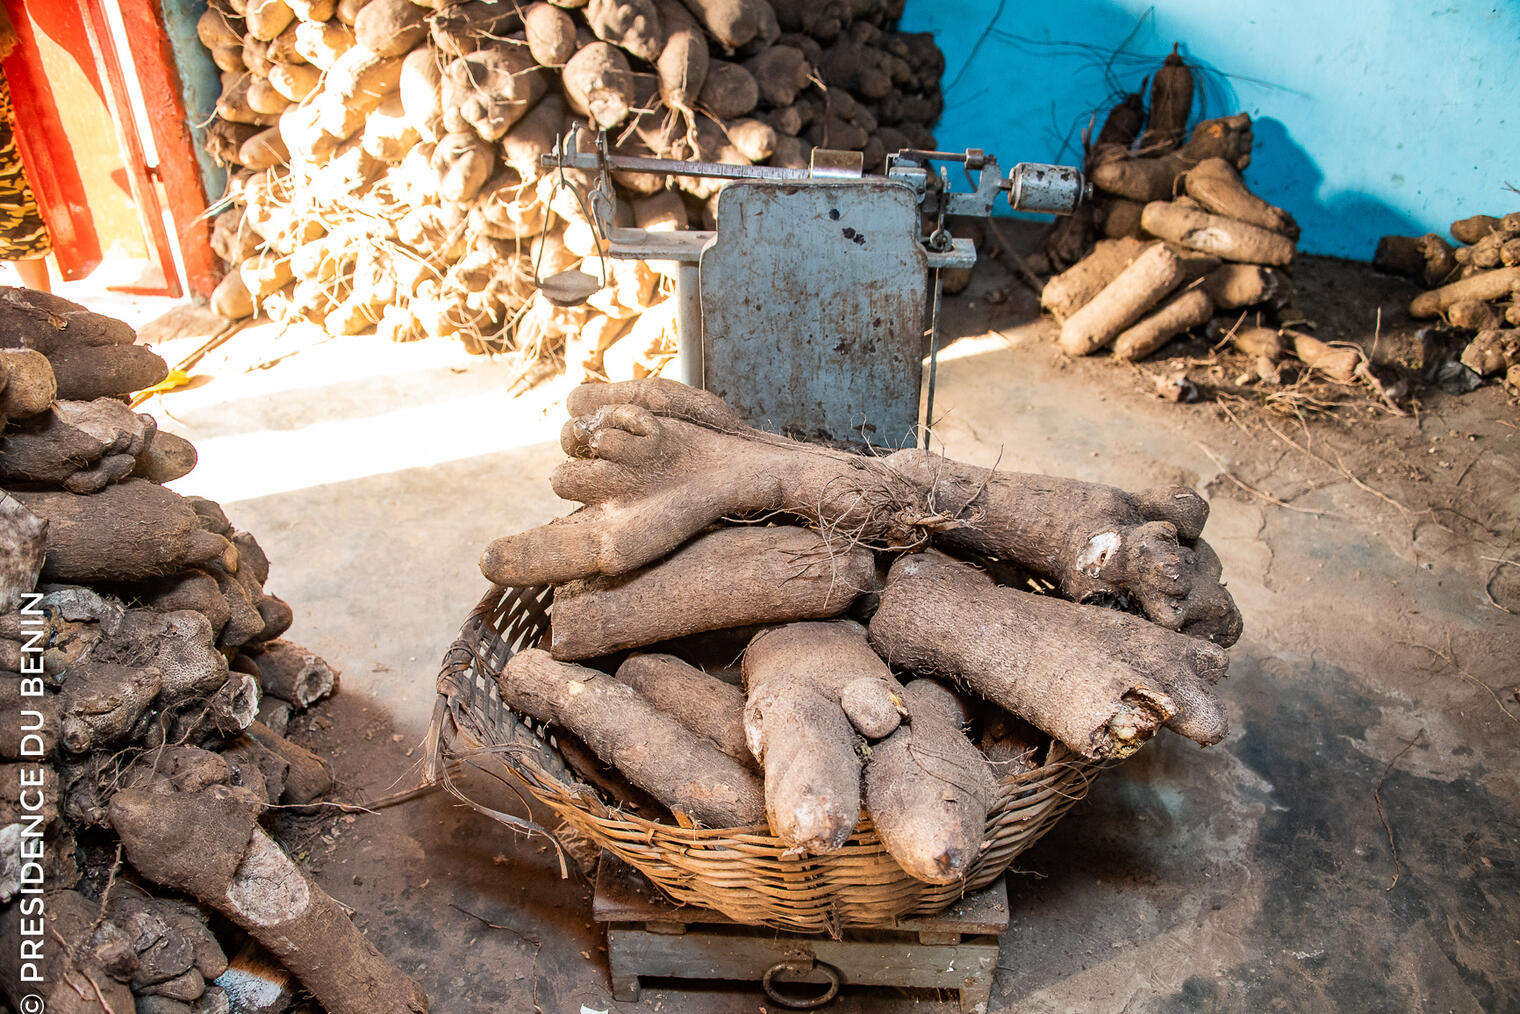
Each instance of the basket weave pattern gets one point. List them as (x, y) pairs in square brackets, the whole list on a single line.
[(741, 872)]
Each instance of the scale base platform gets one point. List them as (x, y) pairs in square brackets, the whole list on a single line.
[(649, 937)]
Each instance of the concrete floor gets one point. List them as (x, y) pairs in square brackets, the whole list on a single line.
[(1253, 875)]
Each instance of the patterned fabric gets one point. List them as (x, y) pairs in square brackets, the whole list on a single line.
[(23, 235)]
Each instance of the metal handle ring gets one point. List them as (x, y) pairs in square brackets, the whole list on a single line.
[(801, 968)]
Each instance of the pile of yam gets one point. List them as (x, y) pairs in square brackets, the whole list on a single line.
[(1173, 236), (1473, 285), (384, 154), (147, 689), (750, 631)]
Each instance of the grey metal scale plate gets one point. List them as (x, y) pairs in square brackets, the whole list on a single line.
[(813, 299)]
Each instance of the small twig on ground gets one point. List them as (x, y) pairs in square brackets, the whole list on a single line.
[(1377, 796), (1499, 563), (1470, 464), (1450, 658), (537, 944), (1269, 498)]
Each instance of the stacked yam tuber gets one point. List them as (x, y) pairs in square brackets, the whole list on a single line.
[(892, 659), (144, 662), (1474, 286), (385, 153), (1173, 236)]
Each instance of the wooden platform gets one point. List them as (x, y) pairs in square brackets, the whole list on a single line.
[(648, 936)]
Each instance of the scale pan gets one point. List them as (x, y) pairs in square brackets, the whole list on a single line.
[(569, 288)]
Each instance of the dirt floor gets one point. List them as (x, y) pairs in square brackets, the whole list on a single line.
[(1353, 845)]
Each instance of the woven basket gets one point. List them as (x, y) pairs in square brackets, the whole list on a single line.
[(741, 872)]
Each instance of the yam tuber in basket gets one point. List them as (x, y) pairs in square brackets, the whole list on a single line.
[(741, 872)]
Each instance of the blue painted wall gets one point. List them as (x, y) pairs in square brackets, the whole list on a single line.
[(200, 83), (1370, 118)]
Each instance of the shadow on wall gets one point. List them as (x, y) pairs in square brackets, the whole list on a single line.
[(1283, 173)]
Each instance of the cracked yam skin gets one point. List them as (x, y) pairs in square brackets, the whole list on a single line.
[(655, 462)]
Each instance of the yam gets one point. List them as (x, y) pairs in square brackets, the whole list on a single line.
[(1486, 285), (489, 90), (551, 34), (264, 150), (1470, 230), (292, 673), (1492, 351), (1231, 286), (754, 139), (35, 726), (166, 458), (389, 133), (23, 543), (1335, 361), (228, 59), (266, 19), (231, 298), (633, 25), (1154, 178), (459, 29), (1171, 102), (504, 211), (1100, 681), (218, 30), (1440, 260), (533, 135), (733, 23), (748, 576), (1216, 186), (389, 28), (1227, 238), (1474, 314), (295, 81), (1099, 542), (1183, 312), (928, 788), (1399, 255), (781, 73), (30, 385), (599, 83), (422, 92), (652, 749), (1073, 288), (79, 445), (208, 845), (233, 106), (1258, 342), (129, 531), (802, 721), (1137, 288), (347, 12), (433, 231), (462, 162), (702, 703), (683, 62), (361, 78), (314, 10), (322, 44), (84, 374), (263, 98), (264, 274), (729, 90)]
